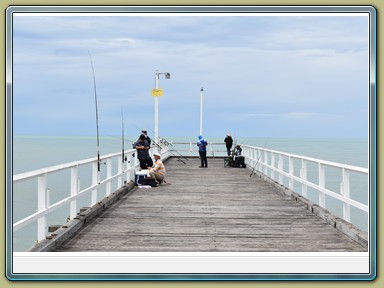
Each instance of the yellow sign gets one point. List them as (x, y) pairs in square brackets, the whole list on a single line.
[(157, 92)]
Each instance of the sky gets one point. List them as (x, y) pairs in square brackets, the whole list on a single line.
[(263, 76)]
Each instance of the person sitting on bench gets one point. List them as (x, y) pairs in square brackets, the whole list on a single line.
[(157, 172)]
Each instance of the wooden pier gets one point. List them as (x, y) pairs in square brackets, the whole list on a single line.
[(214, 209)]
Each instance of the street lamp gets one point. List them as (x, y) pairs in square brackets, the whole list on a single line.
[(157, 94)]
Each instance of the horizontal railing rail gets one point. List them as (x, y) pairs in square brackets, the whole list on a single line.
[(214, 149)]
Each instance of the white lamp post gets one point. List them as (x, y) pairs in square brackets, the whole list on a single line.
[(201, 110), (157, 76)]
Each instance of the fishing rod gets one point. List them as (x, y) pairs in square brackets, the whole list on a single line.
[(163, 141), (170, 151), (97, 115), (123, 158), (253, 170), (118, 137), (166, 143)]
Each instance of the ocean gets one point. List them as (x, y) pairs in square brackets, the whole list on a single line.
[(35, 152)]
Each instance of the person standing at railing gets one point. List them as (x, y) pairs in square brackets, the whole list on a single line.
[(228, 143), (202, 143), (142, 148), (144, 132)]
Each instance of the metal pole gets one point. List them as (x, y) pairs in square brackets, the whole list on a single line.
[(201, 111), (156, 111)]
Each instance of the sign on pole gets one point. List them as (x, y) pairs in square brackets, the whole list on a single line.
[(157, 92)]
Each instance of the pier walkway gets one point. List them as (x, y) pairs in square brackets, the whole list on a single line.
[(214, 209)]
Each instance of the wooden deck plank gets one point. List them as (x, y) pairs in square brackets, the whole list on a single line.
[(212, 209)]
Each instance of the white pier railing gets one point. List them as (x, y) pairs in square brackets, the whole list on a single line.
[(300, 173), (304, 175), (114, 171)]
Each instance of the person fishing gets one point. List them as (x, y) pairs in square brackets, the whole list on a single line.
[(202, 144), (144, 132), (142, 147), (238, 150), (157, 172), (228, 143)]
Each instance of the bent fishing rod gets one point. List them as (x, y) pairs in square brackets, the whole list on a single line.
[(262, 152), (97, 115), (163, 141)]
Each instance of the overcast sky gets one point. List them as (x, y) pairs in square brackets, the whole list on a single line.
[(263, 76)]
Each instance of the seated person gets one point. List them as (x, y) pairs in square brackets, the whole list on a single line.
[(239, 160), (238, 150), (158, 170)]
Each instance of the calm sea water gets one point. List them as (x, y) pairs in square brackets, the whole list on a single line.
[(35, 152)]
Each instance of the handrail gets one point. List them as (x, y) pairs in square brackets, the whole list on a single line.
[(56, 168), (271, 165), (125, 172), (311, 159)]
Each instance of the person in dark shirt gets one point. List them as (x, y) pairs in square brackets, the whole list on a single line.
[(142, 147), (144, 132), (228, 143)]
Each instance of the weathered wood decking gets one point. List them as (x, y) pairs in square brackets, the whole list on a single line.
[(209, 210)]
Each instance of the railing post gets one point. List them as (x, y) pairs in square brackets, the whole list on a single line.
[(254, 156), (265, 162), (120, 169), (109, 174), (303, 175), (273, 159), (190, 148), (74, 191), (249, 155), (95, 181), (322, 185), (131, 167), (280, 166), (41, 205), (345, 192), (290, 185)]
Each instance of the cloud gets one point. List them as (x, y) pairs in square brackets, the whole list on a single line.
[(273, 68)]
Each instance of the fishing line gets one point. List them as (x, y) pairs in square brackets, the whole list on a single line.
[(165, 142), (97, 115), (253, 170)]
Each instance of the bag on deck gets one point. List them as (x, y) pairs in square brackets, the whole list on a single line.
[(149, 181), (239, 161)]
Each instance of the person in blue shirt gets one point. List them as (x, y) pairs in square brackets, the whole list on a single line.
[(202, 143)]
